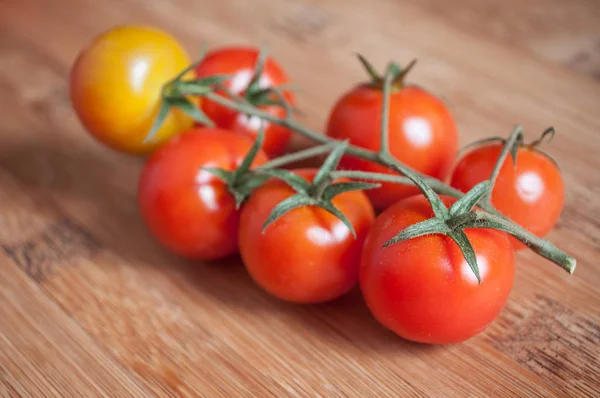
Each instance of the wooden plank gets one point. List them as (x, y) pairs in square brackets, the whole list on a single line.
[(564, 32), (204, 329), (44, 353)]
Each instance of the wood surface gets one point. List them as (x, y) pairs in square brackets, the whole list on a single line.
[(90, 306)]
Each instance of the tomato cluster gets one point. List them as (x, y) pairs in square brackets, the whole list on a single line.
[(422, 288), (240, 63)]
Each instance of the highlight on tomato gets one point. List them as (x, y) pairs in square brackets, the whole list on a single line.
[(242, 63), (307, 255), (422, 131), (188, 209), (116, 87), (423, 289), (530, 192)]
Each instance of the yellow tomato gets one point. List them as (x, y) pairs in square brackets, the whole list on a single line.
[(116, 85)]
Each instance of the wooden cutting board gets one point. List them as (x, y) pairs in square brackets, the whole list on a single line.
[(90, 306)]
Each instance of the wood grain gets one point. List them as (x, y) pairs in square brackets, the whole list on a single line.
[(566, 33), (43, 352), (92, 307)]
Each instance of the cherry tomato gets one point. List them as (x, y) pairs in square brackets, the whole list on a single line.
[(240, 63), (422, 134), (423, 289), (189, 210), (307, 255), (116, 86), (531, 194)]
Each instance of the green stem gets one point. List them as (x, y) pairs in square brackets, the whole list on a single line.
[(384, 138), (436, 185), (286, 122), (509, 147), (438, 207), (297, 156), (369, 176), (316, 191), (545, 248)]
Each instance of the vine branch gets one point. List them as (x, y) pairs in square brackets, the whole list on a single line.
[(354, 150), (491, 218)]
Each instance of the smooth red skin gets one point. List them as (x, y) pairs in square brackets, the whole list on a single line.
[(234, 61), (422, 289), (357, 116), (290, 264), (182, 220), (538, 215)]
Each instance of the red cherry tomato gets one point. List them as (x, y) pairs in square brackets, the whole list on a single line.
[(240, 62), (423, 288), (307, 255), (189, 210), (422, 134), (531, 194)]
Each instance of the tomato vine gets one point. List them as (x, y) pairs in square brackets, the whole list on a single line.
[(449, 221)]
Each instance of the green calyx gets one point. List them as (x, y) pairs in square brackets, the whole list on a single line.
[(242, 181), (394, 71), (175, 94), (511, 145), (445, 223), (257, 96), (546, 136), (319, 193), (514, 142), (546, 249)]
